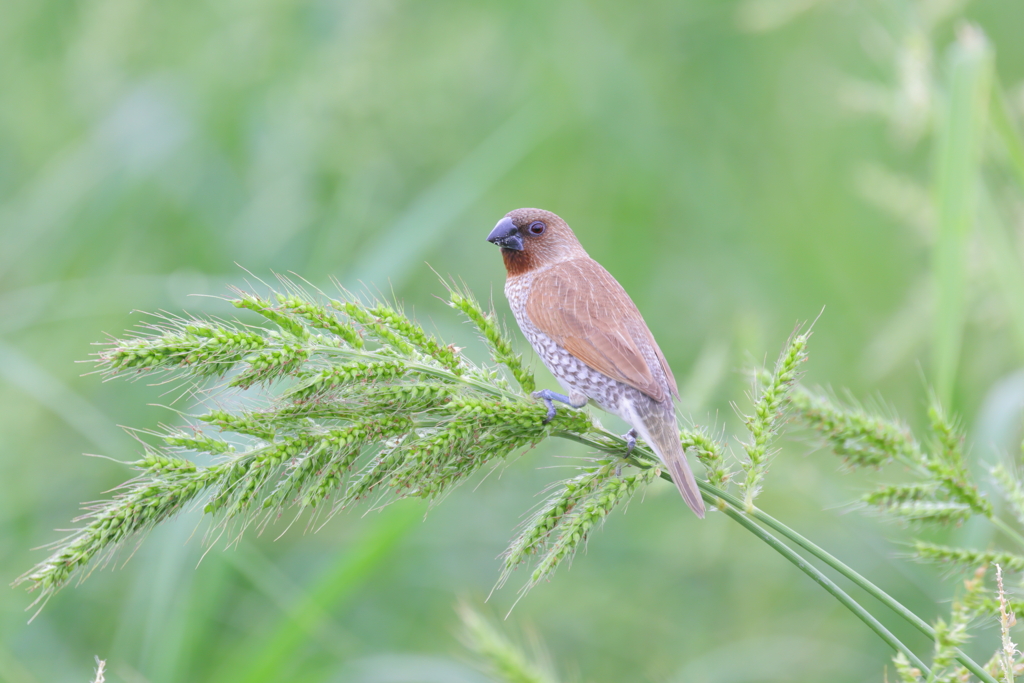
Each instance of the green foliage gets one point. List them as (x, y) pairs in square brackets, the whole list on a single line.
[(861, 439), (945, 495), (406, 416), (567, 518), (714, 156), (345, 420)]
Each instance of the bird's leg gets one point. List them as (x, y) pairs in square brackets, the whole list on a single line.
[(630, 438), (548, 396)]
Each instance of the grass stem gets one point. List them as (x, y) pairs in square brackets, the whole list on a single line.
[(737, 511)]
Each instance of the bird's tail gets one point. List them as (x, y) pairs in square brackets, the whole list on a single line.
[(663, 436)]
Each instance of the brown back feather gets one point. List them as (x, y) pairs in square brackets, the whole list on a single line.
[(586, 311)]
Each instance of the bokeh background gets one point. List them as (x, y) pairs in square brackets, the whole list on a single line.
[(738, 166)]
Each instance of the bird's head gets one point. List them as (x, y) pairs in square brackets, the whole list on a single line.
[(534, 238)]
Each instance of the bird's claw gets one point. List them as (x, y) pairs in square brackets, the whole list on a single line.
[(551, 411), (544, 395), (549, 397), (630, 438)]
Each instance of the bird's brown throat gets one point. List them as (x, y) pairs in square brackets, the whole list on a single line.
[(517, 262)]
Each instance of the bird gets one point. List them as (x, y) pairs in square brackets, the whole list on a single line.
[(591, 336)]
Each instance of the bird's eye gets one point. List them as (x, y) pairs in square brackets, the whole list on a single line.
[(537, 227)]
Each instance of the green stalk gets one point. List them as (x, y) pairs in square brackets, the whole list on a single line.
[(742, 518), (735, 505), (870, 588), (752, 519), (716, 496), (736, 512), (963, 123)]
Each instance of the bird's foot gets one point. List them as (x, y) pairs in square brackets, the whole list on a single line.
[(549, 397), (630, 438)]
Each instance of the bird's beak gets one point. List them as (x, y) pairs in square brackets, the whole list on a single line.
[(506, 235)]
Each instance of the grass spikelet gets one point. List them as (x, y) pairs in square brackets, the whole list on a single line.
[(319, 473), (952, 635), (394, 319), (946, 463), (391, 340), (967, 559), (478, 431), (907, 672), (937, 511), (588, 514), (992, 606), (319, 384), (497, 340), (768, 407), (711, 454), (536, 531), (138, 506), (247, 423), (944, 496), (197, 441), (888, 497), (284, 320), (861, 439), (271, 364), (204, 350), (320, 317)]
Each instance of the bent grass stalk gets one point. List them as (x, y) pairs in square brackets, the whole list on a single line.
[(363, 404), (722, 500)]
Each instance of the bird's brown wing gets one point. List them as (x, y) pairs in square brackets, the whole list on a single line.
[(587, 312)]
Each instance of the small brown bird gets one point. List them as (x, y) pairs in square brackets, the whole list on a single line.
[(591, 336)]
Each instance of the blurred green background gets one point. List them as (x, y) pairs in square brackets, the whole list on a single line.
[(736, 165)]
